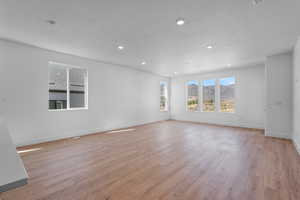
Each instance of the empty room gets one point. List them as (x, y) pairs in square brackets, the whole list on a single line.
[(149, 100)]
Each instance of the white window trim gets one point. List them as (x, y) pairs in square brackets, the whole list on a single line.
[(234, 94), (167, 96), (68, 67), (187, 95), (217, 94), (216, 98)]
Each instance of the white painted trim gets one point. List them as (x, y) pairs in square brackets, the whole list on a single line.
[(281, 135), (86, 88), (72, 134), (64, 65), (68, 88), (239, 125), (70, 109), (297, 146), (62, 136), (216, 97), (187, 95), (235, 99), (166, 85)]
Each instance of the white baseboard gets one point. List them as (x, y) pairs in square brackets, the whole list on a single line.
[(297, 146), (61, 136), (227, 123), (278, 135), (79, 133)]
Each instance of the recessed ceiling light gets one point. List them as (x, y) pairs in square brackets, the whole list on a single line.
[(175, 72), (52, 22), (228, 65), (180, 21), (120, 47), (209, 46), (143, 63)]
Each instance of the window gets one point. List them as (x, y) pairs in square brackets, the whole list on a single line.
[(208, 89), (192, 95), (163, 96), (67, 87), (227, 94)]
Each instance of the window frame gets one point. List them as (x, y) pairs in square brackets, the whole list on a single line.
[(165, 83), (67, 67), (219, 104), (187, 95), (215, 94)]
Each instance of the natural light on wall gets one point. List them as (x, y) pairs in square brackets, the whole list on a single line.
[(227, 94), (192, 95)]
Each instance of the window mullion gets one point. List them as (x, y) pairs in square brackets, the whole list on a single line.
[(200, 98), (68, 88), (217, 96)]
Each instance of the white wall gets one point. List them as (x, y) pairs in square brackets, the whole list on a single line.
[(12, 168), (296, 98), (250, 97), (279, 95), (118, 96)]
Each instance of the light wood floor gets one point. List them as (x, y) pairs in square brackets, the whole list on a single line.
[(167, 160)]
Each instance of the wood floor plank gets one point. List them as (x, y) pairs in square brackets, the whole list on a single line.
[(168, 160)]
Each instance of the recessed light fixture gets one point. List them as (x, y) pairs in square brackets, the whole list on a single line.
[(209, 46), (180, 21), (175, 72), (228, 65), (143, 63), (120, 47), (50, 21)]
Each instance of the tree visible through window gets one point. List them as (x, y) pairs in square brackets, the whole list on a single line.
[(227, 93), (163, 96), (209, 88), (192, 95)]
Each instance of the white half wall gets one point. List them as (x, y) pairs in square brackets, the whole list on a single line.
[(250, 98), (296, 97), (279, 95), (118, 96), (12, 170)]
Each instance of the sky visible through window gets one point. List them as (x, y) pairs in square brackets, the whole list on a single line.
[(227, 81), (210, 82), (227, 94), (193, 83)]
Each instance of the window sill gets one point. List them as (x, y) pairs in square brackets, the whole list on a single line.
[(191, 111), (198, 111), (227, 112), (70, 109)]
